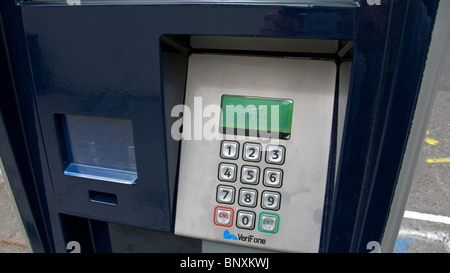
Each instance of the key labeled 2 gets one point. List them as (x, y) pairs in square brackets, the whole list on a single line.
[(252, 152)]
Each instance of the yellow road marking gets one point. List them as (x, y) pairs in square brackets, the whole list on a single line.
[(438, 160), (431, 141)]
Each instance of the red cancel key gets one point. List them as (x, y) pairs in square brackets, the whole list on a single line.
[(223, 216)]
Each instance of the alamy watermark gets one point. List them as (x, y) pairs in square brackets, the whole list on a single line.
[(205, 122)]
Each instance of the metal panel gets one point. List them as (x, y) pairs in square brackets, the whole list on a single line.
[(311, 85)]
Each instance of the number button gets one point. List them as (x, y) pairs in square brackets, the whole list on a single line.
[(275, 154), (225, 194), (250, 175), (229, 150), (227, 172), (248, 197), (245, 219), (271, 200), (252, 152), (273, 177)]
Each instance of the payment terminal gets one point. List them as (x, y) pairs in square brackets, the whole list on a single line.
[(256, 176)]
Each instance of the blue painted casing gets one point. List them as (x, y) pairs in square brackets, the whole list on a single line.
[(104, 59)]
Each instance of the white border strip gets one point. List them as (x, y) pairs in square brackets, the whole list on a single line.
[(427, 217)]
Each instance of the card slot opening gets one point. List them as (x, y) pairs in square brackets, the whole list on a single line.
[(103, 198)]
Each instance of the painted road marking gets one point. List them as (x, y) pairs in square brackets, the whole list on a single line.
[(427, 217), (410, 236), (431, 141), (439, 236), (407, 236), (438, 160)]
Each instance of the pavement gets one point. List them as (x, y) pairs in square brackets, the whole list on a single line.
[(12, 238), (426, 224)]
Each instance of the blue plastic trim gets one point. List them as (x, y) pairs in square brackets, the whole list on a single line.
[(102, 174)]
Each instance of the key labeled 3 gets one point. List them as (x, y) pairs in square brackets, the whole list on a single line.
[(275, 154)]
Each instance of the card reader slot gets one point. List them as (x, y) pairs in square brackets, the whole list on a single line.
[(103, 198)]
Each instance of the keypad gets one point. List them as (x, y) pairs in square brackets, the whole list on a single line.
[(259, 167)]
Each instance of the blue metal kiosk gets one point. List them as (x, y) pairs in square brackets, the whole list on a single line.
[(88, 89)]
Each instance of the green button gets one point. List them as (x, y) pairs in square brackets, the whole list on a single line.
[(268, 222)]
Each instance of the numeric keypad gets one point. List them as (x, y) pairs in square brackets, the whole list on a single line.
[(261, 166)]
